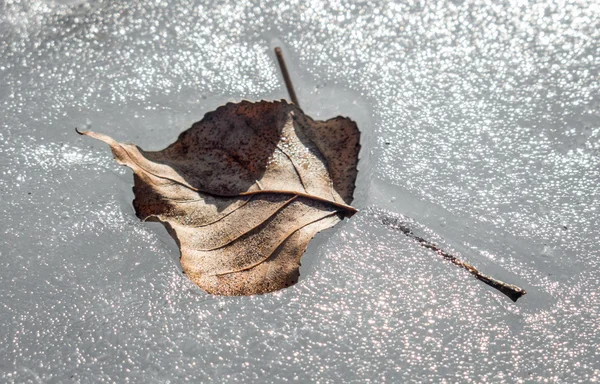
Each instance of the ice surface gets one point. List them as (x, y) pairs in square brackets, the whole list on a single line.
[(481, 128)]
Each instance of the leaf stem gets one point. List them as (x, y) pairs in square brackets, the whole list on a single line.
[(286, 76), (510, 290)]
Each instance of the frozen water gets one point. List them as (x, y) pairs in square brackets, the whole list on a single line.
[(481, 128)]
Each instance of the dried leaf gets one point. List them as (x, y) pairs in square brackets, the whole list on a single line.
[(244, 191)]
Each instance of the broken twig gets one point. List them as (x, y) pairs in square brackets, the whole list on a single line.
[(510, 290)]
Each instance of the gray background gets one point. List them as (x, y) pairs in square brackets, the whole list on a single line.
[(480, 127)]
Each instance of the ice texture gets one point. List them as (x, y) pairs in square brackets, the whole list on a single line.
[(480, 124)]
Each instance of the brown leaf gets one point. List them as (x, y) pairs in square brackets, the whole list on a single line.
[(244, 191)]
